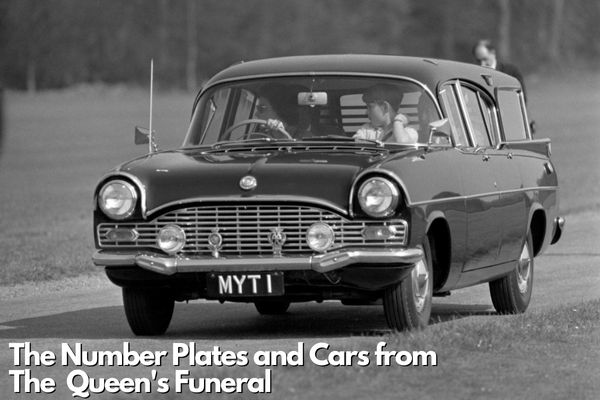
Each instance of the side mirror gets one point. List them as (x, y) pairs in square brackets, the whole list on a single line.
[(437, 134), (142, 135)]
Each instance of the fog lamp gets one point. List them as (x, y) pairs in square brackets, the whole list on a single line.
[(171, 239), (320, 236)]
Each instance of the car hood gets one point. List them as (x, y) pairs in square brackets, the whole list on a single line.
[(183, 176)]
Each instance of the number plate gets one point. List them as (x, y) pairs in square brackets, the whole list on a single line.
[(245, 285)]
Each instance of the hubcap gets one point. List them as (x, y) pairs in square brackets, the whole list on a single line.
[(524, 270), (420, 279)]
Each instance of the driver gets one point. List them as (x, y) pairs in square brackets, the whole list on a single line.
[(278, 105)]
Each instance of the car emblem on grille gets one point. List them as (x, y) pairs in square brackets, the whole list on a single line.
[(248, 182), (277, 239), (215, 242)]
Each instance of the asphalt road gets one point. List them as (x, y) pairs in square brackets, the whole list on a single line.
[(569, 272)]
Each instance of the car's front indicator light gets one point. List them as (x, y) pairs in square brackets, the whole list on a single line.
[(117, 199)]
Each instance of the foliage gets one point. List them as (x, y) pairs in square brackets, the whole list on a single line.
[(57, 43)]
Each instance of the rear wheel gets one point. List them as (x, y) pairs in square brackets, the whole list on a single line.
[(511, 294), (407, 305), (272, 307), (148, 311)]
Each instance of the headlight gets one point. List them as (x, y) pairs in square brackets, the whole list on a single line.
[(117, 199), (171, 239), (378, 197), (320, 236)]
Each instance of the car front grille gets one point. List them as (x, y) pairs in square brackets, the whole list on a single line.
[(245, 229)]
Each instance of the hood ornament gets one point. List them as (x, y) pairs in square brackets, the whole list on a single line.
[(215, 242), (248, 182), (277, 239)]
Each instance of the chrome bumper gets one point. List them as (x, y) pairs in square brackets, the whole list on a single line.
[(559, 224), (321, 263)]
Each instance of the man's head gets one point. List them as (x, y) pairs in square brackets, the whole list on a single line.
[(382, 103), (485, 53)]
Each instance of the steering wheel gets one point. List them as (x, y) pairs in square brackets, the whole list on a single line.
[(227, 133)]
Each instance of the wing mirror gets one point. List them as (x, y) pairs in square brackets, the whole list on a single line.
[(438, 137), (142, 136)]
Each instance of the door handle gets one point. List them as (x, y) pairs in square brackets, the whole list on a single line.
[(485, 157), (509, 156)]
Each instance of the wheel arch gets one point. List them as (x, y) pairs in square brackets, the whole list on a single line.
[(440, 240), (537, 227)]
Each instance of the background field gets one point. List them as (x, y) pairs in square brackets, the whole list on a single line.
[(58, 144)]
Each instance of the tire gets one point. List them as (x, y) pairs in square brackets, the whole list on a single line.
[(271, 307), (148, 311), (511, 294), (407, 305)]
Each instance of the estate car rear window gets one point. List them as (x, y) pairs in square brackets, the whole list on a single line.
[(306, 107)]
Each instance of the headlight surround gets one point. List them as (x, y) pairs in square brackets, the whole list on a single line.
[(171, 239), (378, 197), (320, 237), (117, 199)]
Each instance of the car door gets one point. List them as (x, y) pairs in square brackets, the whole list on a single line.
[(509, 182), (482, 242)]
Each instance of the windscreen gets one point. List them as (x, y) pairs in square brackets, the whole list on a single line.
[(306, 108)]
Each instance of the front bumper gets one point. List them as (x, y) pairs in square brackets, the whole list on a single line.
[(166, 265), (559, 224)]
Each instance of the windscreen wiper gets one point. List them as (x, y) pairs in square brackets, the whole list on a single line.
[(343, 139)]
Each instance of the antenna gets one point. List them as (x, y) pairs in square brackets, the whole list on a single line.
[(150, 136)]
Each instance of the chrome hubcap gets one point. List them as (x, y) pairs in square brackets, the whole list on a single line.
[(420, 279), (524, 270)]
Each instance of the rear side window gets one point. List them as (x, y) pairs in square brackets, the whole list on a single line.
[(513, 119)]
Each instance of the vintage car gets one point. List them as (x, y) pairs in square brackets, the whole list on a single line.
[(288, 187)]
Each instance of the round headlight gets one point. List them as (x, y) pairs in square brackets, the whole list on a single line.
[(117, 199), (171, 239), (378, 197), (320, 236)]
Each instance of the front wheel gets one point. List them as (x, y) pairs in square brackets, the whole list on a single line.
[(148, 311), (407, 305), (511, 294)]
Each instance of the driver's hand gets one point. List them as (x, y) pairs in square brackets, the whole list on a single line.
[(275, 125)]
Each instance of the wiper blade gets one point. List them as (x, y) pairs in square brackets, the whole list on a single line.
[(343, 139), (249, 141)]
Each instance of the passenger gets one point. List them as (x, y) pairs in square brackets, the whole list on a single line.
[(385, 122)]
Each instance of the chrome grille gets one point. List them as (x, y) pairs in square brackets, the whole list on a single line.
[(245, 229)]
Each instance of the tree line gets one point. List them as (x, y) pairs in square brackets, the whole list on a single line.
[(58, 43)]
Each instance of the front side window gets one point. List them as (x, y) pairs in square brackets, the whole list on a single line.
[(450, 103), (513, 119), (304, 108)]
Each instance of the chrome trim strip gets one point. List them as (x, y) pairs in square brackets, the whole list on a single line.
[(321, 263), (305, 200), (474, 196), (134, 179)]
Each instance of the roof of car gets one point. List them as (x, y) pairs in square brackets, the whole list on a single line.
[(428, 71)]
